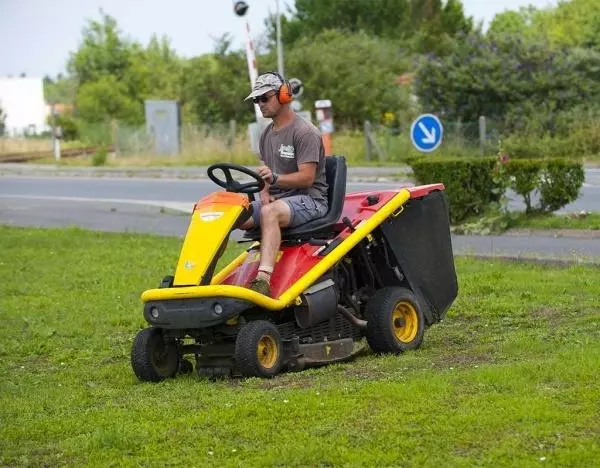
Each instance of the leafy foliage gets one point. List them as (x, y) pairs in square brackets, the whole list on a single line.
[(470, 183), (424, 24), (2, 121), (532, 75), (556, 182), (60, 90), (214, 88), (349, 69), (474, 185), (115, 75), (574, 23), (506, 76)]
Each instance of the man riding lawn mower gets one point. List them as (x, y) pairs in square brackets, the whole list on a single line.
[(378, 264), (324, 269)]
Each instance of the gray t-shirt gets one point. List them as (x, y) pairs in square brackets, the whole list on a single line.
[(284, 149)]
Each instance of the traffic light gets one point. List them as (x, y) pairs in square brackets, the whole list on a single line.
[(240, 8)]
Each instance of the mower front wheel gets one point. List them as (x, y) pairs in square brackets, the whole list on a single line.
[(395, 321), (152, 358), (258, 349)]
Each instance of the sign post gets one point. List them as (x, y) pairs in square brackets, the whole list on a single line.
[(325, 120)]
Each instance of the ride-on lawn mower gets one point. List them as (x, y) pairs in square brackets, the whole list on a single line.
[(378, 265)]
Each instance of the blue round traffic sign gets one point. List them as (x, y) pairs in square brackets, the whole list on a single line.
[(426, 133)]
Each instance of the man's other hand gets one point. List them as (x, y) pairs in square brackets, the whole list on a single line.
[(266, 173), (265, 198)]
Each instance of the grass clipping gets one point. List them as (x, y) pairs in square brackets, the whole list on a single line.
[(510, 377)]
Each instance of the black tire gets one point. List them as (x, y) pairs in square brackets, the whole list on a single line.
[(395, 321), (258, 349), (167, 282), (152, 359), (185, 367)]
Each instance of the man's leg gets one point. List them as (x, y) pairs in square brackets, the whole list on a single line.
[(254, 219), (273, 217)]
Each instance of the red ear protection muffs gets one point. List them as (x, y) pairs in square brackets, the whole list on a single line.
[(284, 94)]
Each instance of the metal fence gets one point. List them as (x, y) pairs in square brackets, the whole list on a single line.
[(231, 142)]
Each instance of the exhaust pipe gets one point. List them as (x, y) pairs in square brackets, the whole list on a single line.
[(353, 319)]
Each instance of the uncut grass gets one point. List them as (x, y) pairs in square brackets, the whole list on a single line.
[(552, 221), (510, 377)]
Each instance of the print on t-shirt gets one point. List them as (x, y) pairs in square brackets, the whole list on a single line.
[(286, 151)]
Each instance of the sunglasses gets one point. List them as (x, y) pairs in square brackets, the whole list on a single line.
[(263, 98)]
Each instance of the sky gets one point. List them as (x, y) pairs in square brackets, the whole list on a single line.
[(36, 36)]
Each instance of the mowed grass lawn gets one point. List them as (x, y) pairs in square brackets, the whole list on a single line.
[(511, 377)]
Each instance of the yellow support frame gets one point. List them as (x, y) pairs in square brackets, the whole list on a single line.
[(289, 296)]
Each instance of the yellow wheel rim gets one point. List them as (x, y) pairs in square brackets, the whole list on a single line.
[(405, 322), (267, 351)]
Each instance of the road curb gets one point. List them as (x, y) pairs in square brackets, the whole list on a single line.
[(355, 175), (555, 262)]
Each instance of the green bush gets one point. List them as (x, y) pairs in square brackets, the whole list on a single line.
[(99, 157), (556, 181), (524, 178), (69, 125), (475, 185), (472, 184)]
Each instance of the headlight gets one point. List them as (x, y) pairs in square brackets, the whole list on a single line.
[(218, 308), (154, 313)]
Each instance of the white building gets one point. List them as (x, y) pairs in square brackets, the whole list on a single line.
[(23, 103)]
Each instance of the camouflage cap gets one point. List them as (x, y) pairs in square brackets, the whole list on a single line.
[(264, 84)]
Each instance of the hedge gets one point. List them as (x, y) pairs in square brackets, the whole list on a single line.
[(473, 184)]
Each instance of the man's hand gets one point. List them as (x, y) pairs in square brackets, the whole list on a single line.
[(265, 172), (265, 197)]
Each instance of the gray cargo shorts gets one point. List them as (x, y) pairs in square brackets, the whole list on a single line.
[(304, 208)]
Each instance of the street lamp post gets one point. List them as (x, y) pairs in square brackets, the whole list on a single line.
[(279, 45)]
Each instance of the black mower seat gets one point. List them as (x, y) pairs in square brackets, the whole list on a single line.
[(335, 174)]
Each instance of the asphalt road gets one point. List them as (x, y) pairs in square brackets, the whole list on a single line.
[(160, 206)]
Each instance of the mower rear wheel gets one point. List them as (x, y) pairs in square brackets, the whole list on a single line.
[(258, 349), (153, 359), (395, 321)]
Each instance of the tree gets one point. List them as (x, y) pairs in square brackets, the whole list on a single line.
[(438, 25), (114, 75), (214, 85), (62, 90), (502, 76), (2, 121), (392, 19), (516, 22), (108, 98), (575, 23), (103, 52), (357, 72), (157, 71)]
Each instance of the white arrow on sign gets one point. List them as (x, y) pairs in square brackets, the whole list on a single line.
[(429, 136)]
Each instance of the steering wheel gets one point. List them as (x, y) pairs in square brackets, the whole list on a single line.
[(232, 185)]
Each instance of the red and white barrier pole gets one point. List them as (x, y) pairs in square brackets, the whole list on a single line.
[(252, 68)]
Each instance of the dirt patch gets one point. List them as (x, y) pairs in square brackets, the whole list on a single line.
[(287, 382), (464, 359), (363, 373), (547, 314)]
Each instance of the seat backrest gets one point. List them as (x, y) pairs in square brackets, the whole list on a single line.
[(335, 174)]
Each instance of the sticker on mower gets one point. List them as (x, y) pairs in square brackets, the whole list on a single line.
[(210, 216)]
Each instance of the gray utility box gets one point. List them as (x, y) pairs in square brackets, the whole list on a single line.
[(163, 123)]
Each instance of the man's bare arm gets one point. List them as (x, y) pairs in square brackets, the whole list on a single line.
[(304, 178)]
